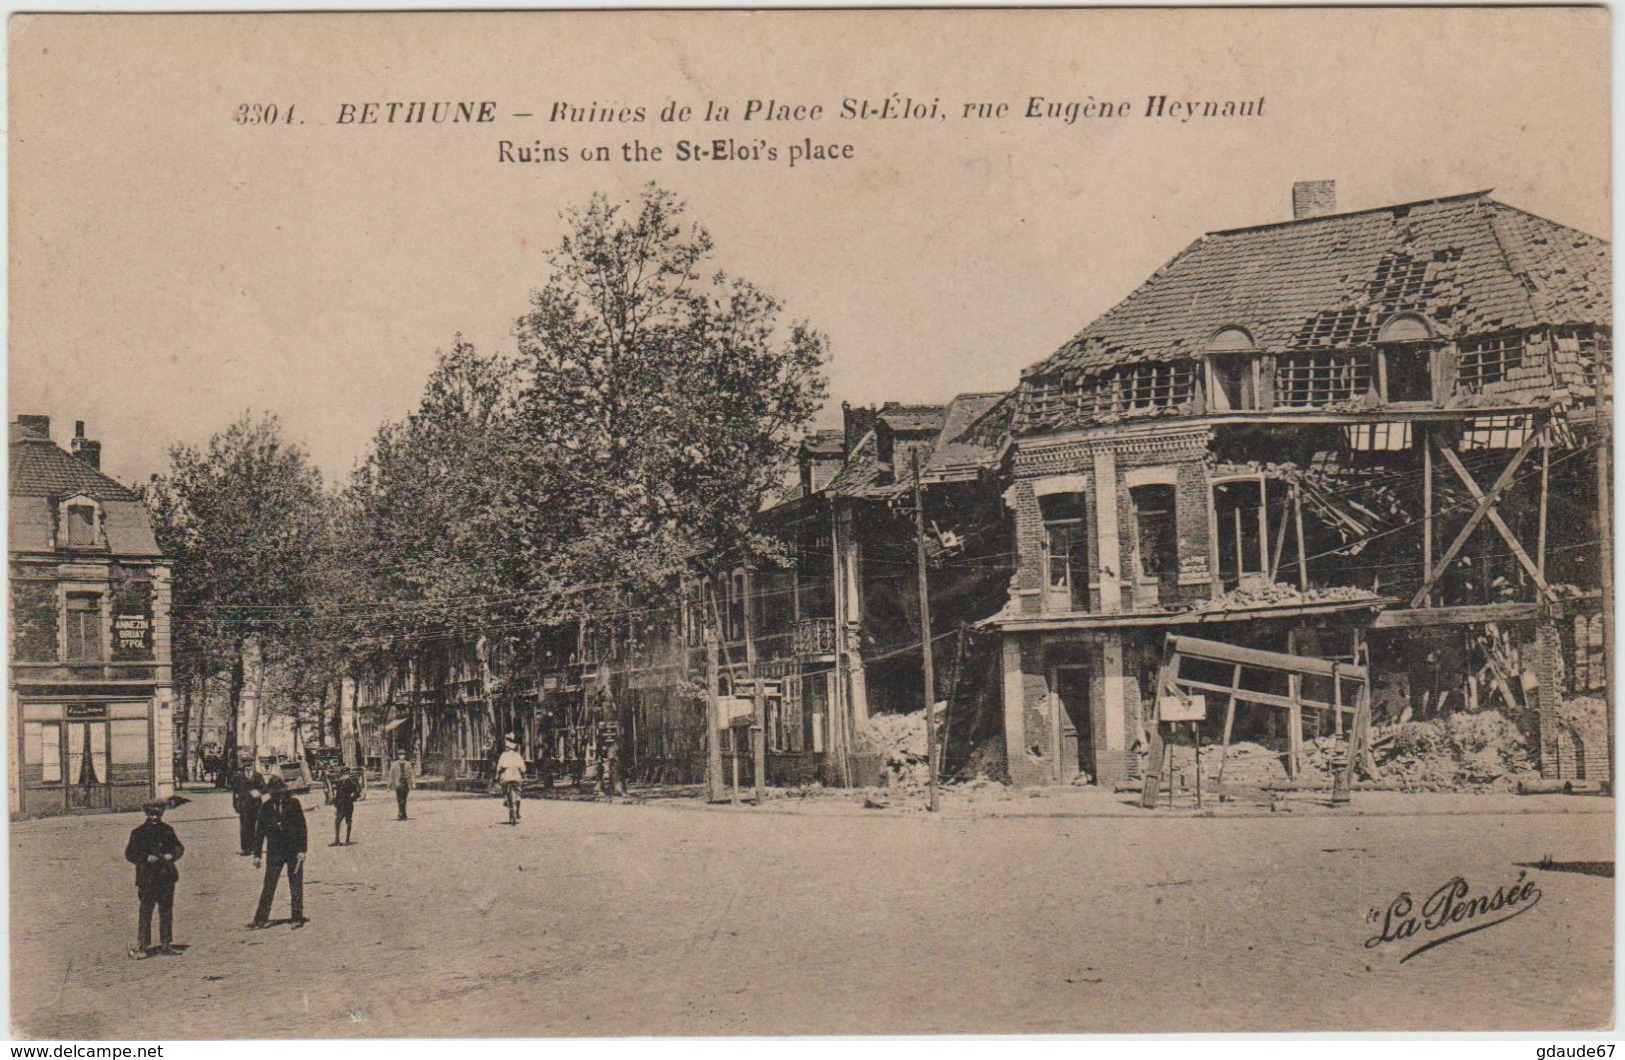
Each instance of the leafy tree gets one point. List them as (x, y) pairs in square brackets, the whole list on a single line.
[(247, 524), (434, 505), (661, 401)]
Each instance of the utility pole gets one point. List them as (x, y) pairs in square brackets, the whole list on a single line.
[(713, 720), (925, 636), (758, 719)]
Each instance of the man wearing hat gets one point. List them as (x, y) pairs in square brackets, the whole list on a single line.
[(399, 777), (511, 773), (153, 849), (280, 837)]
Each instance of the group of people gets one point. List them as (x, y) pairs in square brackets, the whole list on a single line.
[(271, 830)]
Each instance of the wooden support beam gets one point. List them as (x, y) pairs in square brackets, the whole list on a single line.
[(1262, 699), (1229, 720), (1426, 440), (1219, 651), (1495, 518), (1545, 491), (1280, 546), (1472, 614), (1486, 501), (1303, 557)]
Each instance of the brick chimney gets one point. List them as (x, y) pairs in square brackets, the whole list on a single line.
[(84, 448), (857, 421), (1313, 198), (40, 425)]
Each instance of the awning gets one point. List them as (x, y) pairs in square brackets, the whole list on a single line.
[(397, 723)]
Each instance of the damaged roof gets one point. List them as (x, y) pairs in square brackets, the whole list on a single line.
[(910, 419), (1469, 265), (973, 428), (969, 430), (827, 442)]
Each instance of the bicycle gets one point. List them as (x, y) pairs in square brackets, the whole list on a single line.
[(510, 798)]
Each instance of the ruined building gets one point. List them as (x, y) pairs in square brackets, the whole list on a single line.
[(1370, 437)]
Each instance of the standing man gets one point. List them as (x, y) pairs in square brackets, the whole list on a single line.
[(281, 838), (399, 777), (153, 849), (247, 796), (345, 793)]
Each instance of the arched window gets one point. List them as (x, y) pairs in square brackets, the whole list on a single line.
[(1233, 370)]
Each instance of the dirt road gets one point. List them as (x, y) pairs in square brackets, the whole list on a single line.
[(669, 918)]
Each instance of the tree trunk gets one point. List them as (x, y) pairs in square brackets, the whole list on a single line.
[(234, 706)]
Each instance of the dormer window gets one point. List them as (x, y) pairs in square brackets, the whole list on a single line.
[(1407, 359), (1233, 371), (80, 519)]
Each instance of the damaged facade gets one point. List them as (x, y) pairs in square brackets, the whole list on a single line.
[(1367, 437), (1371, 438)]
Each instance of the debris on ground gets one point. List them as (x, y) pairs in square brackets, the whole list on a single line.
[(900, 740), (1458, 753), (1280, 595)]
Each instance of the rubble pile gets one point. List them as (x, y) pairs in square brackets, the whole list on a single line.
[(1280, 595), (900, 740), (1246, 765), (1459, 753)]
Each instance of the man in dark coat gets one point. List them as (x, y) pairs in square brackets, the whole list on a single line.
[(153, 849), (247, 796), (345, 792), (281, 839)]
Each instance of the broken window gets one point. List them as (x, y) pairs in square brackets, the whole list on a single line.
[(1157, 534), (1066, 552), (1314, 380), (1486, 361), (1157, 384), (1408, 372), (1238, 508), (1235, 382)]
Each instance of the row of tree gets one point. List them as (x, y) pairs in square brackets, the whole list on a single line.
[(645, 413)]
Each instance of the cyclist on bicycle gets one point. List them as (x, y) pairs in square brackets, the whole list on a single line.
[(510, 772)]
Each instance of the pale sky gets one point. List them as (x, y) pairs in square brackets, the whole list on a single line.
[(170, 268)]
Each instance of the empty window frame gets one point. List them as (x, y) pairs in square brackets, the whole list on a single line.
[(1233, 382), (84, 627), (1484, 362), (1242, 522), (1066, 552), (1156, 384), (1407, 372), (1156, 532), (1315, 380), (82, 526)]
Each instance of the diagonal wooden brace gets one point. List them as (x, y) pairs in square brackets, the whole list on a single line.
[(1495, 519), (1486, 502)]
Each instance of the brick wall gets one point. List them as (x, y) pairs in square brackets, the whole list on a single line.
[(1028, 580), (33, 620)]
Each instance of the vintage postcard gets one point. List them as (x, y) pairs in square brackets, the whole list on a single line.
[(554, 524)]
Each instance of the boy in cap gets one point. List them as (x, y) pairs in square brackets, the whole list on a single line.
[(153, 849), (281, 837)]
